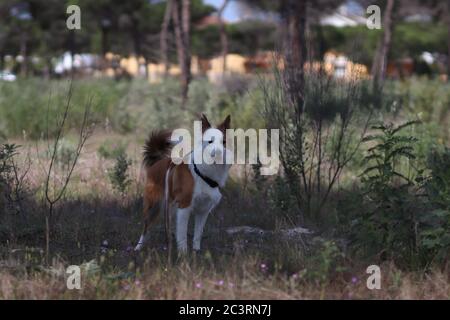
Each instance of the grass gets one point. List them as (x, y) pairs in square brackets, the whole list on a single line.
[(238, 277), (29, 106)]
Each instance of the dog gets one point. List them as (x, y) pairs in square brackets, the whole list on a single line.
[(186, 188)]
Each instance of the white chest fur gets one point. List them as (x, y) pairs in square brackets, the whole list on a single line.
[(204, 197)]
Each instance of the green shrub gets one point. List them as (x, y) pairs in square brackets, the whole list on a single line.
[(387, 225), (7, 171), (7, 152), (327, 259), (119, 175), (65, 153), (435, 235)]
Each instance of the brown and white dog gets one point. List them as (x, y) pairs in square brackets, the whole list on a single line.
[(185, 188)]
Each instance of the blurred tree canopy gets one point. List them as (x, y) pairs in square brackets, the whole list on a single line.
[(37, 28), (246, 38), (409, 40)]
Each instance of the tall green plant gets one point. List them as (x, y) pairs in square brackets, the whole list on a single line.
[(435, 235), (388, 224), (119, 175), (7, 152)]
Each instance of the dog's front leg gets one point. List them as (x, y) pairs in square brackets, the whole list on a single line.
[(182, 225), (200, 220)]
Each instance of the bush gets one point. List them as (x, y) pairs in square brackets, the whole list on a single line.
[(327, 259), (435, 237), (118, 175), (66, 153), (7, 173), (388, 225)]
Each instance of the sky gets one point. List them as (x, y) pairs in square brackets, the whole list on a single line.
[(231, 13)]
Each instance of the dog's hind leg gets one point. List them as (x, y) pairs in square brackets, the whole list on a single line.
[(182, 225), (200, 220), (150, 213)]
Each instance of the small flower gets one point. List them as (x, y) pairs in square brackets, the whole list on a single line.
[(104, 246), (137, 282), (198, 285), (231, 285), (354, 279), (126, 287), (263, 266), (220, 282), (295, 276)]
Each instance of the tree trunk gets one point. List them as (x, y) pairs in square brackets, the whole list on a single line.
[(136, 36), (70, 45), (381, 56), (295, 51), (2, 52), (182, 35), (146, 61), (164, 37), (186, 27), (2, 61), (293, 24), (297, 28), (448, 40), (223, 35), (48, 68), (23, 53), (105, 47), (178, 33), (104, 40)]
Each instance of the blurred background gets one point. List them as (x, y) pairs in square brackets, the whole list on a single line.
[(138, 38)]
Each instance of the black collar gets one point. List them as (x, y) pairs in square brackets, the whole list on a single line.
[(209, 181)]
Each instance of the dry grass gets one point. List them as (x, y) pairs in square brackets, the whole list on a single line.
[(243, 279)]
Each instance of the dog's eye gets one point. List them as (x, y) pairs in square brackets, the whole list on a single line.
[(210, 141)]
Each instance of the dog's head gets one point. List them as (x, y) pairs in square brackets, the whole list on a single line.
[(214, 141)]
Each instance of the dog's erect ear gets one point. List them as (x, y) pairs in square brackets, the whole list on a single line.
[(225, 124), (205, 123)]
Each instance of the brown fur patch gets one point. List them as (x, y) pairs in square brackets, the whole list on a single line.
[(181, 185)]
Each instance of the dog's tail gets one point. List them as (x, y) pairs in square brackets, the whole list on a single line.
[(157, 147)]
